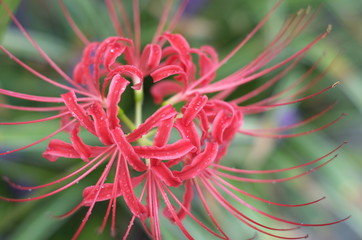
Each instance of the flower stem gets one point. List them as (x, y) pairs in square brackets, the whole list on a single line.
[(138, 106)]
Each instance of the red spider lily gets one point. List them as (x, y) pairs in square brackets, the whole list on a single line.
[(206, 125)]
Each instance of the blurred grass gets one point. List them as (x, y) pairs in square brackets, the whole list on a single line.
[(222, 25)]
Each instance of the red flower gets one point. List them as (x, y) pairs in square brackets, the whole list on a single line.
[(145, 157)]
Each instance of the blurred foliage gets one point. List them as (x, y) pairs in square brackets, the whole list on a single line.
[(220, 24), (4, 20)]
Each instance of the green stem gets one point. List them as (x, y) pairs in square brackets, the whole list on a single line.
[(138, 106)]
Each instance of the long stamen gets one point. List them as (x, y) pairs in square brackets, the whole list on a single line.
[(274, 180), (245, 219), (112, 205), (39, 141), (137, 28), (125, 19), (265, 86), (42, 77), (38, 48), (172, 210), (271, 216), (32, 109), (75, 181), (251, 108), (191, 215), (113, 15), (35, 121), (233, 81), (258, 134), (295, 125), (240, 45), (163, 20), (204, 203), (107, 152), (97, 188), (72, 24), (245, 171), (177, 16), (225, 183), (125, 236)]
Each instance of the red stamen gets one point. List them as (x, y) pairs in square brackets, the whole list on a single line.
[(35, 121), (38, 48), (114, 18), (274, 180), (267, 135), (72, 24), (234, 170), (40, 140)]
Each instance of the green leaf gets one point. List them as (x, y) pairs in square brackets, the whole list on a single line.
[(4, 16)]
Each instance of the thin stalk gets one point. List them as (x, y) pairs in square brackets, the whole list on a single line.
[(138, 106)]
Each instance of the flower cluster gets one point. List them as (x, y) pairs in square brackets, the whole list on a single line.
[(176, 149)]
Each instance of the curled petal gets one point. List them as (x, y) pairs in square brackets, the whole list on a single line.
[(129, 196), (154, 120), (163, 132), (199, 163), (103, 192), (179, 43), (204, 124), (66, 120), (116, 88), (77, 111), (226, 122), (210, 53), (166, 175), (170, 151), (108, 51), (221, 122), (187, 199), (188, 132), (101, 123), (127, 150), (82, 73), (169, 70), (125, 70), (78, 144), (235, 124), (208, 61), (151, 57), (113, 51), (193, 108), (79, 73), (57, 148)]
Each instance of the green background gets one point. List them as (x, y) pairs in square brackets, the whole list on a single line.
[(222, 24)]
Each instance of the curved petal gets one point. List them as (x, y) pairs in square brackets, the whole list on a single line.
[(199, 163), (127, 150), (154, 120), (57, 148), (77, 111), (101, 123), (78, 144), (116, 89), (170, 151)]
